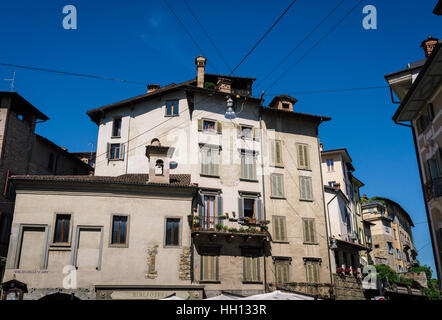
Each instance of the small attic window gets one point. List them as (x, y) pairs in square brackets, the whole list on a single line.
[(20, 116), (159, 167), (286, 105)]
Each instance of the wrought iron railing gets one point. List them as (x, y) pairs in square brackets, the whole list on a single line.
[(433, 188)]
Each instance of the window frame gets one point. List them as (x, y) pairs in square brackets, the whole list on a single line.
[(301, 198), (256, 260), (282, 191), (306, 154), (120, 120), (172, 114), (276, 221), (243, 155), (180, 232), (126, 243), (284, 261), (216, 280), (306, 240), (121, 151), (274, 143), (70, 228), (211, 165)]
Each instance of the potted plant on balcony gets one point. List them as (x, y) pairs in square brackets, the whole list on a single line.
[(233, 229), (222, 217), (347, 270), (264, 228), (241, 229), (196, 225), (355, 271), (218, 226), (340, 270), (225, 228)]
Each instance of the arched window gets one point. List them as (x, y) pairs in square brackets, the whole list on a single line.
[(159, 167)]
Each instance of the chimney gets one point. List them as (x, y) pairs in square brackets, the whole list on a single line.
[(428, 45), (152, 87), (200, 67)]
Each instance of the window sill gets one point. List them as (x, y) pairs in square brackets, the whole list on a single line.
[(210, 281), (252, 282), (115, 137), (111, 245), (305, 200), (305, 169), (171, 115), (277, 166), (115, 159), (310, 243), (60, 247), (248, 180), (278, 198), (281, 241), (208, 176)]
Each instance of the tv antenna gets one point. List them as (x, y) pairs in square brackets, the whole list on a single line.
[(12, 81)]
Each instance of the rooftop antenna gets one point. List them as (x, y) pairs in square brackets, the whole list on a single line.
[(12, 81)]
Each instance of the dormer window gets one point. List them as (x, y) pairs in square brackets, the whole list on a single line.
[(286, 106)]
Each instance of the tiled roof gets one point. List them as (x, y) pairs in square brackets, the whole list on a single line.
[(176, 180)]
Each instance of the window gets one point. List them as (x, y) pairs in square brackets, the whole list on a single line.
[(285, 105), (116, 127), (275, 153), (250, 207), (209, 160), (279, 228), (115, 151), (277, 185), (172, 108), (62, 226), (251, 269), (305, 186), (303, 156), (309, 230), (330, 165), (159, 168), (390, 248), (246, 132), (398, 254), (173, 231), (425, 119), (209, 216), (282, 270), (331, 183), (209, 126), (312, 271), (209, 268), (119, 229), (248, 166)]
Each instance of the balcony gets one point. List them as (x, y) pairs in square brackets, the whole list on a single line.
[(433, 189), (222, 228)]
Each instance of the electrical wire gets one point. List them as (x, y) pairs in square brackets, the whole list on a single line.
[(264, 35), (315, 45)]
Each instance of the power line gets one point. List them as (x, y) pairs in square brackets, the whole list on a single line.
[(316, 44), (300, 43), (265, 34), (207, 35), (70, 73), (188, 32), (330, 90)]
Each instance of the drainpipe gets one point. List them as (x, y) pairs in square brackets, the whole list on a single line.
[(325, 215), (263, 192)]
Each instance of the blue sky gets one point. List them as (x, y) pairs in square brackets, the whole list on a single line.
[(142, 41)]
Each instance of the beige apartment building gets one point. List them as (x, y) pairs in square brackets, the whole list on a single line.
[(391, 233), (419, 89), (250, 217)]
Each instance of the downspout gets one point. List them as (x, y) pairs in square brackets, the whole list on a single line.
[(430, 220), (325, 213), (128, 136), (263, 191)]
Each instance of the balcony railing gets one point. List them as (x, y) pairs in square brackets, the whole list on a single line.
[(433, 189), (224, 224)]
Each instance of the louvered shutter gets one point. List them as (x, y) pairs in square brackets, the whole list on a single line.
[(278, 155), (301, 163), (259, 209), (308, 186), (272, 152), (200, 124), (219, 209), (122, 151), (243, 166), (108, 156), (216, 161), (256, 134), (283, 228), (240, 207), (312, 230), (306, 231), (205, 169), (238, 131), (219, 127), (286, 272), (306, 157), (276, 228)]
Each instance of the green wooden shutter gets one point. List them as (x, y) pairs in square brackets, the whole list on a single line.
[(301, 163), (306, 157), (240, 207), (259, 213), (278, 153), (219, 127), (200, 124), (122, 151), (306, 231), (219, 209), (108, 156), (276, 229), (283, 228)]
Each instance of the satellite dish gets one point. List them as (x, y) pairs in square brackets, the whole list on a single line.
[(173, 164)]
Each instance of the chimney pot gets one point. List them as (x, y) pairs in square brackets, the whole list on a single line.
[(152, 87), (200, 67), (428, 45)]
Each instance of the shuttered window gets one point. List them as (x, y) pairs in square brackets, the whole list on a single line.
[(209, 268), (172, 108), (282, 271), (277, 185), (312, 272), (276, 153), (210, 126), (309, 230), (209, 161), (251, 269), (248, 166), (115, 151), (303, 156), (250, 207), (279, 228), (305, 186)]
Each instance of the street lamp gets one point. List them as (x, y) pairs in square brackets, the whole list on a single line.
[(230, 113)]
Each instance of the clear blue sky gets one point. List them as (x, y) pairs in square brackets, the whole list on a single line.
[(142, 41)]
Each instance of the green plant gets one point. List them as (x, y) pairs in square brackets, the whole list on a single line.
[(233, 229), (209, 85), (241, 229), (222, 217), (197, 217), (196, 224), (233, 219), (218, 226), (225, 228), (264, 228)]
